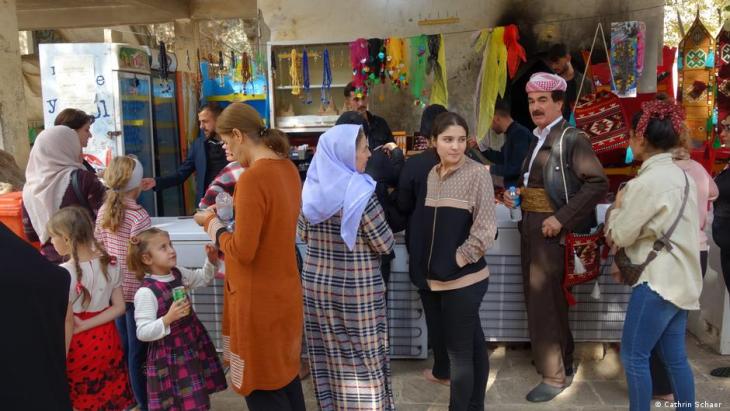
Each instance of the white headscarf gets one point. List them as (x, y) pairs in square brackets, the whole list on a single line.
[(333, 182), (54, 156)]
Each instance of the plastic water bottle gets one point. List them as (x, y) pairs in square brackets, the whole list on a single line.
[(224, 207), (515, 213)]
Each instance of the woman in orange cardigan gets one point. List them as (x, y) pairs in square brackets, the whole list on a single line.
[(262, 287)]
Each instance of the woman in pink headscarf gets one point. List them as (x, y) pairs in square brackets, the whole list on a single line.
[(56, 178)]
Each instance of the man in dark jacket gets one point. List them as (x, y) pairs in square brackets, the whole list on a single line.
[(547, 217), (35, 302), (508, 161), (412, 189), (206, 157), (379, 133)]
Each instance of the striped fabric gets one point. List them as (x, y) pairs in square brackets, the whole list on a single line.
[(135, 221), (225, 181), (345, 315)]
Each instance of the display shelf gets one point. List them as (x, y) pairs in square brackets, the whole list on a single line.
[(305, 112), (317, 86)]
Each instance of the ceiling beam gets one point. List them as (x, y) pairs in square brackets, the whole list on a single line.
[(218, 10), (180, 9), (101, 16)]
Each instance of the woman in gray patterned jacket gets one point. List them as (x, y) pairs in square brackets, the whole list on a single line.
[(460, 211)]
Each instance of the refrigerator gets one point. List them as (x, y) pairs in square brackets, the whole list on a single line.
[(114, 83), (166, 133)]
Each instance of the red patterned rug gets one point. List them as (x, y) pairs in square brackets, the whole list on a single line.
[(600, 116)]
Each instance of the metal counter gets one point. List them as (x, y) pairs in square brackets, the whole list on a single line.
[(502, 312)]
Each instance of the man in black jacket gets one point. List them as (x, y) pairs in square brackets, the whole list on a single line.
[(35, 302), (206, 157), (379, 133), (508, 161)]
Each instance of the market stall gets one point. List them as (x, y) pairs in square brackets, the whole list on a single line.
[(503, 314)]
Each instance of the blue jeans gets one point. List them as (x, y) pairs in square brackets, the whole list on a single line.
[(135, 351), (654, 323)]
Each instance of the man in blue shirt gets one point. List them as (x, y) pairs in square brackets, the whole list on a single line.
[(206, 157), (507, 161)]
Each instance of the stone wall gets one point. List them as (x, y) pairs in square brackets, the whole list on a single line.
[(541, 23)]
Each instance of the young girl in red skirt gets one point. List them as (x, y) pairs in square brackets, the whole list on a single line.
[(183, 368), (97, 375)]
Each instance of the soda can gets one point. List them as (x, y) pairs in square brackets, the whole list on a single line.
[(178, 293)]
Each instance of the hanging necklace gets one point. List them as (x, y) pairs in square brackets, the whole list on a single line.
[(246, 75), (305, 77), (221, 65), (294, 74), (326, 79)]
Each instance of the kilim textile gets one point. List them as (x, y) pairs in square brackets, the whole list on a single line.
[(600, 116)]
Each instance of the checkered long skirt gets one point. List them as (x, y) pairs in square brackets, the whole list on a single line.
[(345, 315)]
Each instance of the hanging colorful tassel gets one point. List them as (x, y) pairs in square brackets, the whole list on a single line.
[(515, 51), (294, 74), (395, 66), (492, 79), (305, 77), (417, 75), (358, 59), (439, 89), (326, 79), (375, 68)]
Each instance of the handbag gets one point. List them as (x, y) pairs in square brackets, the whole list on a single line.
[(631, 272), (582, 251)]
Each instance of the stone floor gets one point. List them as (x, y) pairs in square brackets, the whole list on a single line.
[(598, 385)]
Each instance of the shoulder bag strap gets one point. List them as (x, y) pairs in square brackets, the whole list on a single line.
[(664, 242), (76, 185), (562, 164)]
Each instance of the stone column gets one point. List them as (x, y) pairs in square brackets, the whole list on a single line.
[(13, 120)]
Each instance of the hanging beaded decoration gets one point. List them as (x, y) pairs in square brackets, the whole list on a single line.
[(326, 79), (212, 68), (359, 58), (221, 67), (294, 74), (375, 68), (305, 77), (259, 64), (246, 76), (233, 71), (162, 60)]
